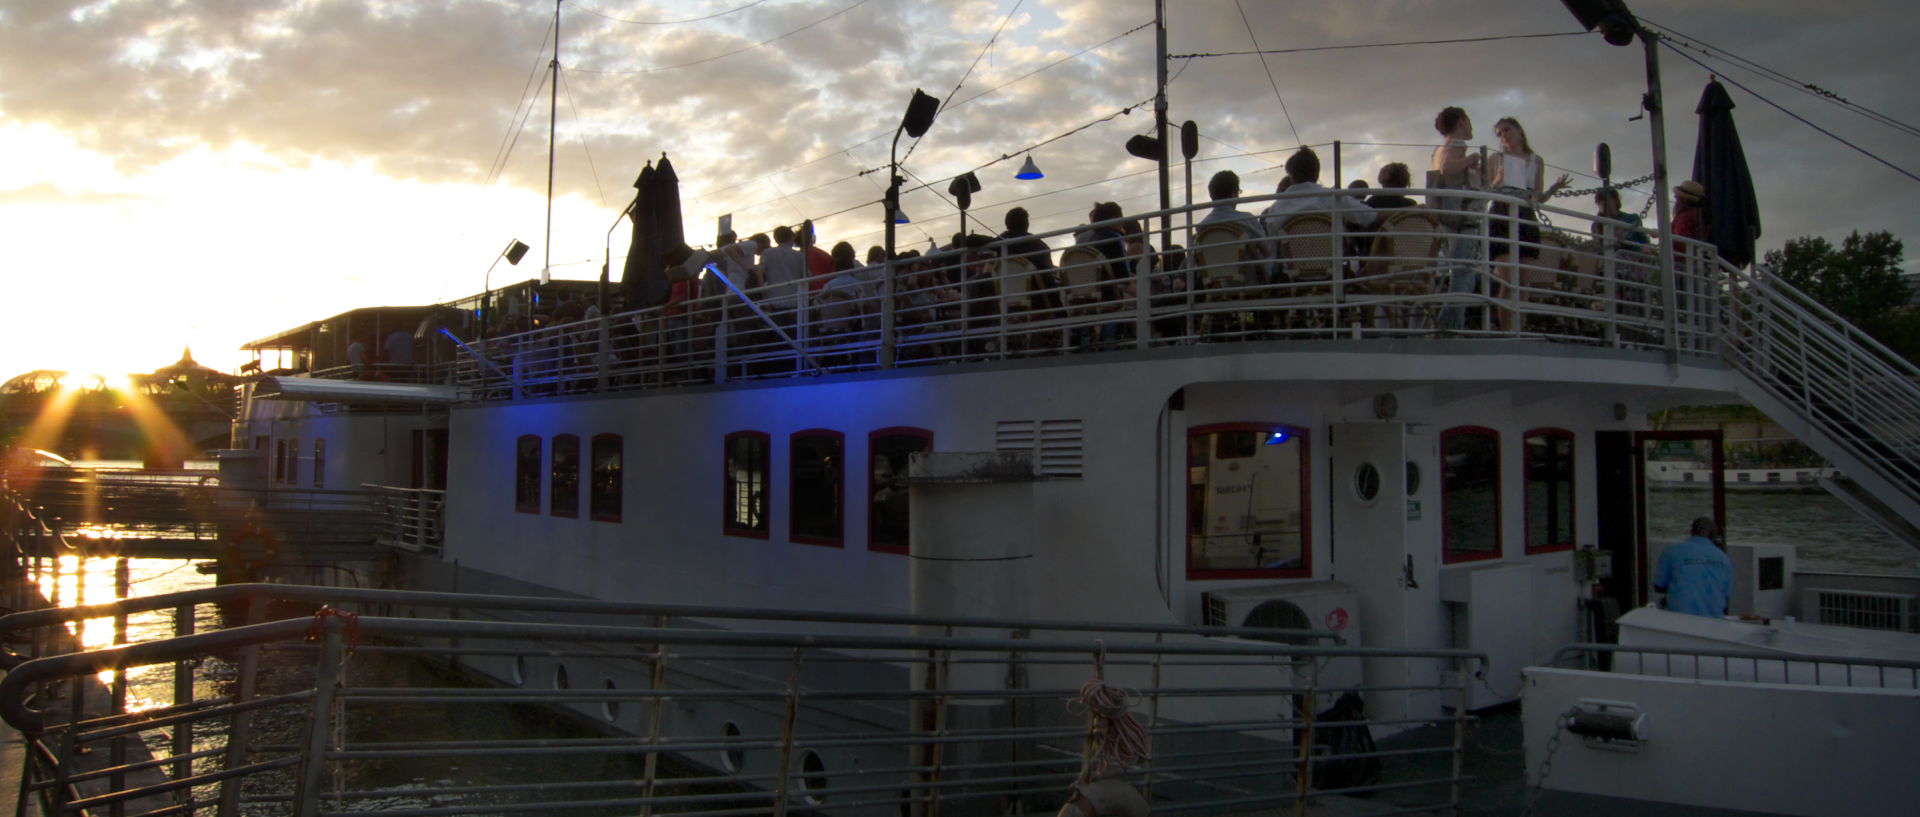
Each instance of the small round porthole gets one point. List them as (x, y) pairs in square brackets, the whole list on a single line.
[(1413, 478), (611, 708), (813, 777), (1366, 482), (560, 677), (732, 758)]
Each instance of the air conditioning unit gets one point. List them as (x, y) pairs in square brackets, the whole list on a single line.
[(1860, 608), (1323, 605)]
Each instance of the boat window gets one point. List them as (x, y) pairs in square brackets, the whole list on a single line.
[(887, 452), (564, 476), (1469, 494), (816, 487), (1549, 496), (746, 498), (526, 474), (280, 460), (603, 501), (1247, 501), (320, 462)]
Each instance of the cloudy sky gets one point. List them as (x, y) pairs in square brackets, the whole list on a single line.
[(208, 172)]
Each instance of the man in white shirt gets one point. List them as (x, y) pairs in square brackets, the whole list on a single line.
[(1303, 168), (783, 267)]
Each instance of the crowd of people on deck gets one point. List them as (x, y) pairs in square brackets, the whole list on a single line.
[(804, 290)]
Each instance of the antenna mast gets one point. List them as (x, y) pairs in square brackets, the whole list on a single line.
[(553, 116)]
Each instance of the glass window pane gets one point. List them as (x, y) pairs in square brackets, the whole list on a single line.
[(887, 484), (1549, 458), (1247, 497), (1470, 493), (816, 488), (526, 474), (565, 476), (746, 482), (604, 498)]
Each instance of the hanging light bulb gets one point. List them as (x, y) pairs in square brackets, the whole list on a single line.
[(1029, 170)]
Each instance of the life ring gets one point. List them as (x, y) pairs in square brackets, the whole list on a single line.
[(251, 548)]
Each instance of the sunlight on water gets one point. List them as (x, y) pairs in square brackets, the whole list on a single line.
[(78, 582)]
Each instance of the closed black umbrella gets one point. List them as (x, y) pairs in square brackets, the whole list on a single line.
[(666, 207), (634, 278), (1732, 212)]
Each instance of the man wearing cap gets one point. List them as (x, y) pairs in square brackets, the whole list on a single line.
[(1688, 197)]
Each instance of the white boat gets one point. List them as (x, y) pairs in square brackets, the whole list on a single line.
[(1125, 441)]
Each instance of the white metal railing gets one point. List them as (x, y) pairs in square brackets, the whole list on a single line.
[(701, 710), (1860, 395), (1577, 282), (409, 518)]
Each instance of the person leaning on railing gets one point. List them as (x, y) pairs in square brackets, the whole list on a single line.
[(1519, 173), (1456, 169)]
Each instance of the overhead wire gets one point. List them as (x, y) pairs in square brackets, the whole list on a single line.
[(1801, 119), (601, 14), (703, 60), (1689, 41), (514, 125), (1308, 49), (1269, 69), (948, 100), (575, 109)]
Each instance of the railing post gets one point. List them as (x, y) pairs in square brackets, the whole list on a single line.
[(122, 580), (783, 773), (1153, 714), (1303, 783), (886, 313), (1459, 734), (1143, 294), (239, 730), (653, 720), (602, 357), (182, 743), (313, 766)]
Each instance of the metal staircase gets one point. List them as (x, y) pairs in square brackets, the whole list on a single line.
[(1834, 388)]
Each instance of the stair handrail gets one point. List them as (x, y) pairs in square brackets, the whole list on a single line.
[(1837, 378)]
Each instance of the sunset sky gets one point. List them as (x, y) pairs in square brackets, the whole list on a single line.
[(212, 172)]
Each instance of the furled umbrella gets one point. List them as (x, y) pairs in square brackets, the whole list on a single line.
[(1719, 164), (634, 278), (668, 229)]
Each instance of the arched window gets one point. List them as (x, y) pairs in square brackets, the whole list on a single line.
[(1549, 495), (608, 478), (526, 474), (564, 476), (887, 453), (816, 481), (1469, 494), (744, 495), (1248, 502)]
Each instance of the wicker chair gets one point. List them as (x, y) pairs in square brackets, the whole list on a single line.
[(1308, 256), (1404, 262)]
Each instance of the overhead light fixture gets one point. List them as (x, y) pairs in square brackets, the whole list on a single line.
[(1145, 147), (1278, 437), (1615, 21), (900, 216), (1029, 170), (920, 113), (515, 252)]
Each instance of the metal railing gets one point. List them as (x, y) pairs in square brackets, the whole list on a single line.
[(1863, 398), (684, 709), (1749, 666), (1575, 282), (409, 518)]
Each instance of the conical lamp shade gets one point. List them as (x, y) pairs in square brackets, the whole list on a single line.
[(1029, 171), (900, 216)]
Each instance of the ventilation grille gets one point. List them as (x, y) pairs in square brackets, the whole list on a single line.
[(1867, 610), (1056, 444)]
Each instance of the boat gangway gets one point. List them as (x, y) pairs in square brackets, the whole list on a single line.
[(296, 707), (141, 513)]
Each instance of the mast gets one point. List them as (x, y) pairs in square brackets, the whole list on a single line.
[(553, 117), (1160, 117)]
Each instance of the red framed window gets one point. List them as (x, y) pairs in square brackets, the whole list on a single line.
[(1469, 494), (744, 478), (887, 453), (563, 476), (1549, 493), (607, 478), (526, 474), (816, 487), (1249, 502)]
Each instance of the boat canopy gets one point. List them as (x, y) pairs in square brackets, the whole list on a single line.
[(322, 390)]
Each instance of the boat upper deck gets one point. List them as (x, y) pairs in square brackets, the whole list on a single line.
[(1412, 274)]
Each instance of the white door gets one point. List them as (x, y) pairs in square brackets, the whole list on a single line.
[(1369, 498)]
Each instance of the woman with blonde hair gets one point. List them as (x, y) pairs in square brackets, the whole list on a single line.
[(1518, 172)]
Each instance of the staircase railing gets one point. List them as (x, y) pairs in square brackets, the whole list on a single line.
[(1858, 401)]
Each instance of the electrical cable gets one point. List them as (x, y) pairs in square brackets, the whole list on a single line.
[(948, 101), (513, 125), (1308, 49), (1803, 120), (1269, 69), (597, 186), (604, 15), (703, 60)]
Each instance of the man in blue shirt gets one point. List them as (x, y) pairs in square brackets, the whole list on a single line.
[(1695, 573)]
